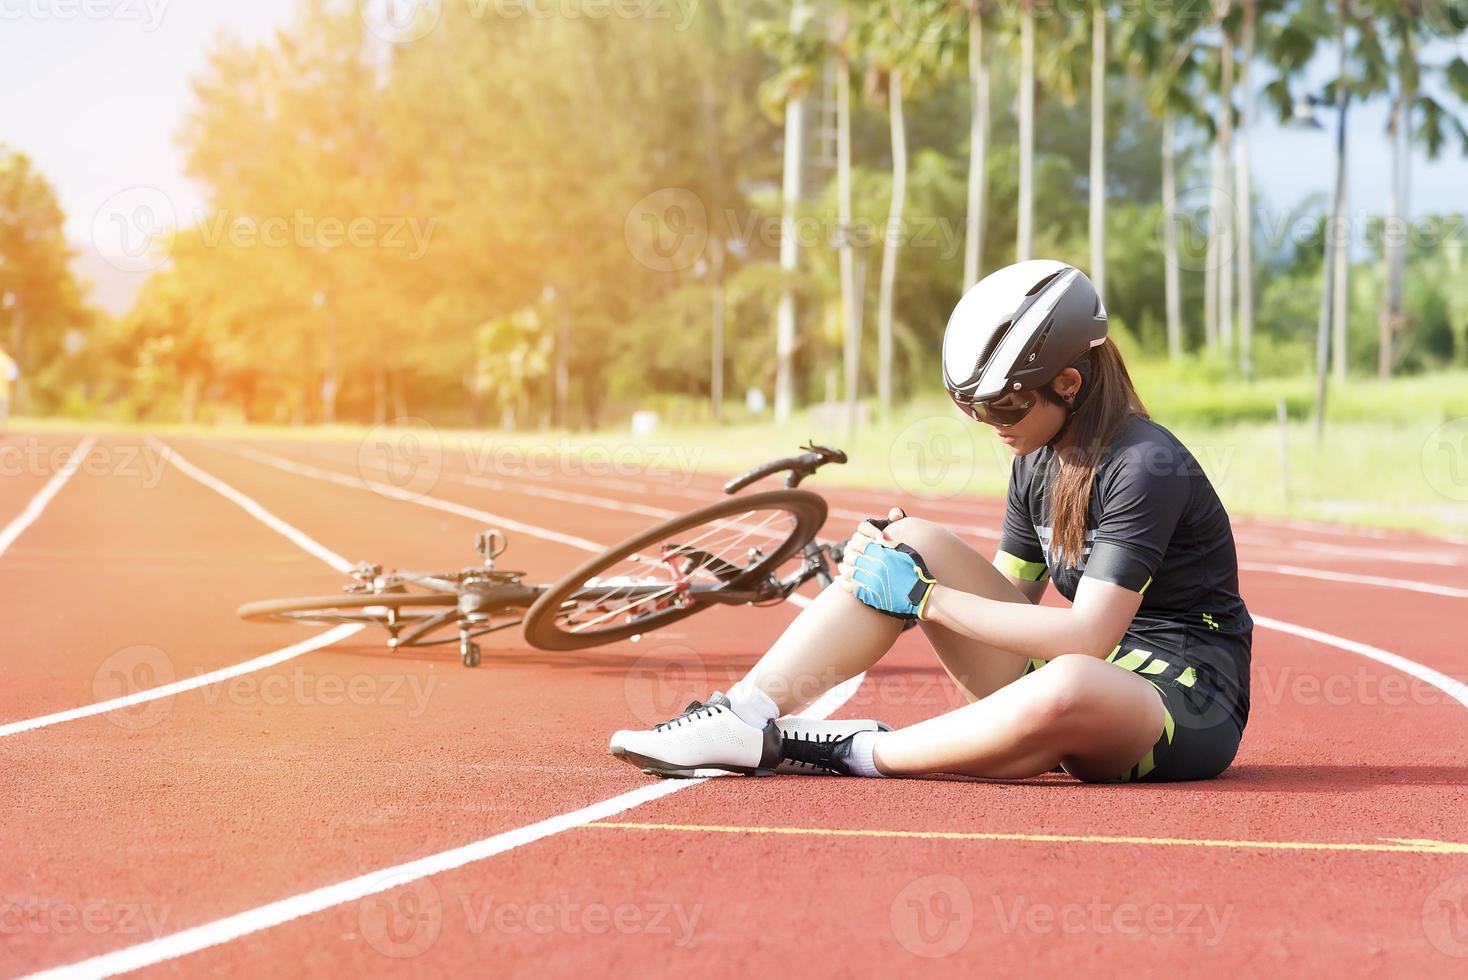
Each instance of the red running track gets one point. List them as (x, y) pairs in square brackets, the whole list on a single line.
[(1335, 844)]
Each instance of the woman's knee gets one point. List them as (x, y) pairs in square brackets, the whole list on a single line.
[(917, 532), (1066, 691)]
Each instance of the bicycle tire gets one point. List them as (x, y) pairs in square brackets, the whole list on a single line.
[(542, 630), (281, 610)]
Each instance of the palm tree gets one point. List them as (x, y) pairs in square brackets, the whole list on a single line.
[(1244, 202), (901, 56), (978, 143), (1407, 26), (1221, 216), (1157, 52), (1025, 232), (799, 55), (1098, 146), (839, 40), (892, 241)]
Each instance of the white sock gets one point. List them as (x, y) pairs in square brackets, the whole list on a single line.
[(861, 760), (753, 706)]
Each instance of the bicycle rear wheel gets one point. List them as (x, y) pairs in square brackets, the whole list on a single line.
[(392, 611), (674, 569)]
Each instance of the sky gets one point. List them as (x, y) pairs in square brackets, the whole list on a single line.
[(95, 92)]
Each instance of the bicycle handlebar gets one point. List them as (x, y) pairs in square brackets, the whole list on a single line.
[(799, 467)]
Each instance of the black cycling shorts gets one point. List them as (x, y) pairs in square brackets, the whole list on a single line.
[(1201, 731)]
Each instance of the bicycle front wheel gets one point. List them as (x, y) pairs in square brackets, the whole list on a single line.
[(674, 569)]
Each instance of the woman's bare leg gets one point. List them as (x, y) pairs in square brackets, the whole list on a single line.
[(833, 639), (976, 667), (837, 636), (1094, 716)]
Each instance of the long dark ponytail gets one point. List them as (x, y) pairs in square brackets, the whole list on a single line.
[(1108, 400)]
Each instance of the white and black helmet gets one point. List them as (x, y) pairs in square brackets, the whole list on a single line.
[(1019, 327)]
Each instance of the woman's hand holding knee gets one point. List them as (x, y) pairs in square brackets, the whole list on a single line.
[(871, 529), (884, 574)]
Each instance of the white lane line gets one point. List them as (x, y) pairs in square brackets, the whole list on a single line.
[(448, 506), (38, 503), (169, 690), (292, 533), (1351, 578), (1382, 554), (549, 493), (285, 910), (1452, 687), (259, 663), (397, 493)]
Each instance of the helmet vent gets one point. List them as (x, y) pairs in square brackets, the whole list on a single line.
[(1035, 289), (989, 348), (1039, 342)]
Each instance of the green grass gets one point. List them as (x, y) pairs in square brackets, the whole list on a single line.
[(1384, 460)]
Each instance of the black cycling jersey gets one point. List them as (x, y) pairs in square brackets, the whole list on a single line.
[(1155, 526)]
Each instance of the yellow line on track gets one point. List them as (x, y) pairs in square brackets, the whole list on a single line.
[(1390, 845)]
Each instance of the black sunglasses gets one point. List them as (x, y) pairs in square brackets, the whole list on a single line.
[(1009, 408)]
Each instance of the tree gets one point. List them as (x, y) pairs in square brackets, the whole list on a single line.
[(978, 143), (1024, 248), (1407, 27), (514, 353), (1098, 146), (900, 55), (39, 298)]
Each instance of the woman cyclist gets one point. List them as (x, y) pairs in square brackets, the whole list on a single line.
[(1143, 676)]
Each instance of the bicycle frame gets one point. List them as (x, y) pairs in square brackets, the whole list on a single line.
[(465, 604)]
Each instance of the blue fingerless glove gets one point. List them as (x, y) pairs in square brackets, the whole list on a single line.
[(894, 581)]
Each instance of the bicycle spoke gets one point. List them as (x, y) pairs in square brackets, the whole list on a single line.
[(712, 546)]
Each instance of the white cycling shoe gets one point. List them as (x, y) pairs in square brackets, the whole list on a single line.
[(708, 735)]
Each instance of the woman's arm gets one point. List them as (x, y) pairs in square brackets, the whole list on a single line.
[(1093, 625), (1033, 591)]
